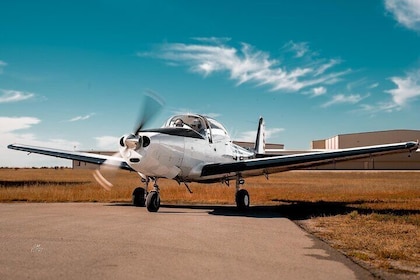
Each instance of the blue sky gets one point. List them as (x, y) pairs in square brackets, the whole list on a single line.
[(72, 74)]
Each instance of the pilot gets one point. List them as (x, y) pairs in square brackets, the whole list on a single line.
[(179, 123), (196, 125)]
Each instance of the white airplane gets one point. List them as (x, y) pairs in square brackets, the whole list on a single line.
[(196, 148)]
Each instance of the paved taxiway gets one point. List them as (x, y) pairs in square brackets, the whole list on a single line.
[(104, 241)]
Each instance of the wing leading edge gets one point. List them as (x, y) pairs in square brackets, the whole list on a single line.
[(283, 163), (80, 156)]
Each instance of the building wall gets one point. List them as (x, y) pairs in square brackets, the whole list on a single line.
[(386, 162), (318, 144), (376, 138)]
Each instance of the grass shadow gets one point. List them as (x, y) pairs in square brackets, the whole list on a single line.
[(302, 210), (31, 183)]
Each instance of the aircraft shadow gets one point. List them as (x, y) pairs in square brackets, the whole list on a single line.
[(290, 209)]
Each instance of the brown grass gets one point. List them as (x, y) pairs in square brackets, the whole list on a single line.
[(373, 217)]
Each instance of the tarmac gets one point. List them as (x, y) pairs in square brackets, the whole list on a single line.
[(118, 241)]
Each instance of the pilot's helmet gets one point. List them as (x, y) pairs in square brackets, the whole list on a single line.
[(179, 123), (196, 124)]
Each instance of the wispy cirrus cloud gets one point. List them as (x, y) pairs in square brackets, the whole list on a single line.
[(12, 130), (344, 99), (250, 136), (318, 91), (107, 142), (2, 65), (379, 107), (405, 12), (408, 88), (81, 118), (245, 64), (10, 124), (300, 49), (8, 96)]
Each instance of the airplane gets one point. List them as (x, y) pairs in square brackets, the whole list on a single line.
[(197, 148)]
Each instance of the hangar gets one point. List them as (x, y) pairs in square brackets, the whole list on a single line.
[(387, 162), (341, 141)]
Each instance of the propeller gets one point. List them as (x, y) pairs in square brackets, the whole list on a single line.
[(152, 104)]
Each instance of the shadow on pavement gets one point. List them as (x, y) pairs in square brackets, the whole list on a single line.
[(294, 210)]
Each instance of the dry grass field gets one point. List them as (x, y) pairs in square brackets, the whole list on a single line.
[(373, 217)]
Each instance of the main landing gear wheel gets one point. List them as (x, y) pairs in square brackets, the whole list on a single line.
[(242, 199), (138, 197), (153, 201)]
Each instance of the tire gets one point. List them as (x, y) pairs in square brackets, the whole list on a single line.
[(138, 197), (242, 199), (153, 201)]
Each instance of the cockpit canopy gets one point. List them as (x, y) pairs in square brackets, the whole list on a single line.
[(205, 126)]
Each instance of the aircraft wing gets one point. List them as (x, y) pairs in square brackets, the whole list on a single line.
[(259, 166), (74, 155)]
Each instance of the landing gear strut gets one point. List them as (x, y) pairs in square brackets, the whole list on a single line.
[(138, 197), (242, 195), (141, 197)]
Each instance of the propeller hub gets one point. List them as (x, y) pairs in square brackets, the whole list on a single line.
[(134, 142)]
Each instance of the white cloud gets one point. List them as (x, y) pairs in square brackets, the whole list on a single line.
[(248, 65), (8, 96), (10, 124), (9, 127), (408, 88), (2, 65), (406, 12), (250, 136), (344, 99), (300, 49), (325, 66), (318, 91), (378, 107), (81, 118), (107, 142), (213, 40)]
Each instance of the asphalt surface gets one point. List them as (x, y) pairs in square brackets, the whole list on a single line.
[(104, 241)]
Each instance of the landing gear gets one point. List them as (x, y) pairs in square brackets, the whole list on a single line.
[(138, 197), (141, 197), (153, 201), (242, 199), (242, 195)]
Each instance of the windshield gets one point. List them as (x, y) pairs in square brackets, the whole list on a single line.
[(217, 128), (198, 123)]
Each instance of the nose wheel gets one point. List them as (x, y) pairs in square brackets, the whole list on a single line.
[(141, 197), (153, 201), (138, 197)]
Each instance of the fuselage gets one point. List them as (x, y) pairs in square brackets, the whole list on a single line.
[(176, 151)]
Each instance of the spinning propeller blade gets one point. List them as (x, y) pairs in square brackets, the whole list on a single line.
[(151, 106), (106, 166)]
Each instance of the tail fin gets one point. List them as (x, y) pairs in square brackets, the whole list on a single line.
[(260, 140)]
